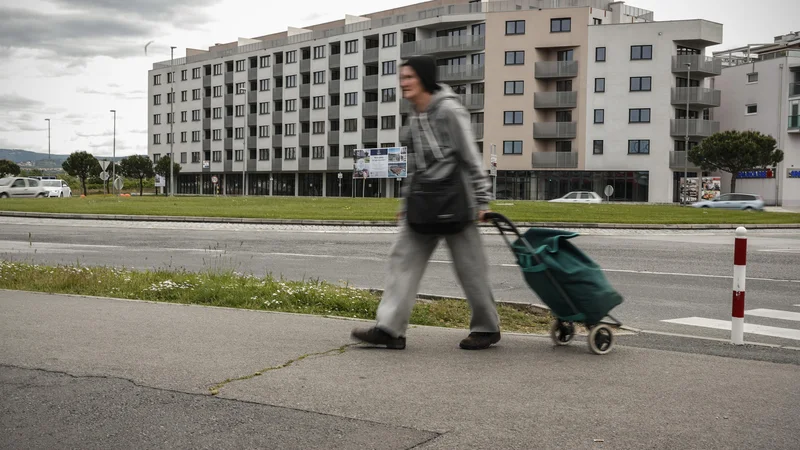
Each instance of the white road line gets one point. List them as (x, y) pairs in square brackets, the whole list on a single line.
[(780, 250), (786, 333), (773, 314)]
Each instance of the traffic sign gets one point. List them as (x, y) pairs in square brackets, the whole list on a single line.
[(118, 183), (214, 179), (493, 165), (609, 191), (104, 176), (104, 164)]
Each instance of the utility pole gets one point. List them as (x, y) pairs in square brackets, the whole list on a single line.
[(245, 111), (685, 194), (171, 122), (114, 151), (48, 138)]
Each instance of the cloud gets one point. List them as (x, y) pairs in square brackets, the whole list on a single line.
[(188, 11), (92, 135), (14, 102), (136, 94)]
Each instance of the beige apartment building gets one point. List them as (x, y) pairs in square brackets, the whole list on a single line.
[(569, 95)]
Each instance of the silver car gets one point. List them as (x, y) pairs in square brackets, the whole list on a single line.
[(22, 187), (746, 202)]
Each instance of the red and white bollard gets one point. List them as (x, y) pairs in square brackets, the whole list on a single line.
[(739, 272)]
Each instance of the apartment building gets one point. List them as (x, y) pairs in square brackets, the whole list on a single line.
[(762, 93), (569, 94)]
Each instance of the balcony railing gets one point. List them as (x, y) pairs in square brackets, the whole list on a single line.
[(700, 64), (677, 159), (477, 130), (556, 69), (371, 55), (561, 100), (555, 160), (794, 123), (696, 96), (305, 90), (555, 130), (369, 109), (334, 87), (369, 135), (334, 61), (333, 112), (305, 114), (472, 101), (697, 127), (333, 138), (371, 82), (305, 65), (444, 44), (462, 72)]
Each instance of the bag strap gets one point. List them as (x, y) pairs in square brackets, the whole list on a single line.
[(419, 152)]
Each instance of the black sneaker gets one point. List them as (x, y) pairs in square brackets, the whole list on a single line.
[(376, 336), (479, 341)]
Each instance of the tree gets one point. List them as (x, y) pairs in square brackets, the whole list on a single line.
[(736, 151), (81, 165), (162, 168), (8, 168), (139, 167)]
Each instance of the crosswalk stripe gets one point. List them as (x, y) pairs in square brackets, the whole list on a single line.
[(773, 314), (763, 330)]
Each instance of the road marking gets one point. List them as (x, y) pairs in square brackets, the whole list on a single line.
[(786, 333), (780, 250), (773, 314)]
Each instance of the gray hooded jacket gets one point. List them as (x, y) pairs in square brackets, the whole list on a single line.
[(442, 134)]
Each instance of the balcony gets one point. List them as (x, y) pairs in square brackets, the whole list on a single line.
[(277, 70), (371, 55), (556, 69), (697, 97), (305, 114), (697, 127), (206, 123), (206, 102), (304, 139), (371, 82), (677, 159), (277, 140), (228, 77), (305, 90), (472, 101), (277, 116), (369, 109), (443, 45), (464, 72), (252, 74), (277, 93), (228, 121), (333, 112), (794, 89), (228, 100), (477, 130), (555, 130), (333, 87), (228, 143), (252, 119), (560, 100), (701, 65), (369, 135), (333, 138), (206, 81), (252, 96), (794, 124), (335, 61), (305, 65), (554, 160)]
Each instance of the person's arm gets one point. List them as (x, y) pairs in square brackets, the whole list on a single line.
[(460, 130)]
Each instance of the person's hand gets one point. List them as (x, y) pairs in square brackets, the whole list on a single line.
[(482, 215), (399, 216)]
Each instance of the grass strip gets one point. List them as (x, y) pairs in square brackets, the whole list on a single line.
[(384, 209), (231, 289)]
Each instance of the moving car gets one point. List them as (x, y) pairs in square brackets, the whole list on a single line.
[(22, 187), (579, 197), (56, 187), (746, 202)]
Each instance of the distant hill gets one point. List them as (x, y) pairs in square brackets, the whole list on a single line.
[(39, 160)]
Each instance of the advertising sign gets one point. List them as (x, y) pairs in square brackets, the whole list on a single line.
[(760, 173), (793, 173), (711, 188), (160, 181), (389, 162)]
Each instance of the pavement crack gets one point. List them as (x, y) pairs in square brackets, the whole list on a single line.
[(334, 351)]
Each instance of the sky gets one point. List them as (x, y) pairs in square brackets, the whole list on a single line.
[(73, 61)]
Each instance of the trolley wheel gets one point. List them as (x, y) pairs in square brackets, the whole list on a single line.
[(601, 339), (562, 333)]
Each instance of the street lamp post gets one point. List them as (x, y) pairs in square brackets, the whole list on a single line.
[(48, 138), (244, 146), (171, 122), (685, 194), (114, 152)]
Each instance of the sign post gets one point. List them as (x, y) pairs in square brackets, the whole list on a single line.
[(215, 180), (609, 191), (493, 170), (340, 184)]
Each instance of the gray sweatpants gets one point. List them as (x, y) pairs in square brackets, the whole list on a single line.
[(407, 263)]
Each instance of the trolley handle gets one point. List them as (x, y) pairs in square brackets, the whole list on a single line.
[(502, 223)]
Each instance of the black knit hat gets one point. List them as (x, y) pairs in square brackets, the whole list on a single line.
[(425, 67)]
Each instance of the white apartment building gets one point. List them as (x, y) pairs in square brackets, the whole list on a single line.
[(761, 83), (572, 94)]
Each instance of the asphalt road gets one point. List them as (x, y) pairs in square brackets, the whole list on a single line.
[(662, 275)]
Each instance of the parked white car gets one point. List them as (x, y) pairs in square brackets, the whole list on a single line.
[(22, 187), (579, 197), (56, 187), (746, 202)]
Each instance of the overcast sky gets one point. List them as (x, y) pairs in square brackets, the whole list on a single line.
[(74, 60)]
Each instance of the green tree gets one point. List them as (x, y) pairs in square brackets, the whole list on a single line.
[(8, 168), (162, 168), (139, 167), (82, 165), (736, 151)]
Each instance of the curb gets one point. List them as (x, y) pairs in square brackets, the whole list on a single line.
[(383, 223)]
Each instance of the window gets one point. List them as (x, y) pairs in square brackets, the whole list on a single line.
[(156, 79), (319, 77), (351, 99), (639, 147), (389, 40), (600, 54), (184, 136), (170, 97), (195, 157), (264, 84), (318, 127), (216, 156), (349, 150), (388, 95), (319, 102), (751, 109), (515, 58), (597, 147), (351, 73), (170, 118), (157, 99), (263, 131), (389, 67), (565, 55), (599, 116), (195, 94), (264, 61), (184, 116), (479, 59), (752, 77), (351, 47), (388, 122), (156, 119), (196, 73), (641, 83), (479, 29), (239, 110), (291, 81), (239, 132), (318, 152), (564, 146), (184, 96), (350, 125), (319, 52), (290, 129), (641, 52), (156, 139), (564, 86), (278, 153), (512, 147), (217, 91), (263, 108), (263, 154), (639, 115), (291, 57), (514, 87), (218, 69), (333, 151), (184, 75), (596, 21), (512, 118), (196, 136), (290, 153), (563, 25), (196, 115), (515, 27), (238, 155), (334, 125), (170, 77), (240, 66), (217, 135), (599, 84), (291, 105)]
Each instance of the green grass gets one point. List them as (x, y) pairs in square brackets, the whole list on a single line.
[(385, 209), (229, 289)]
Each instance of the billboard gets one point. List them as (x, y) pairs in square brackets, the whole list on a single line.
[(390, 162)]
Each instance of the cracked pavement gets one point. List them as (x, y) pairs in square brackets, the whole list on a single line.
[(84, 372)]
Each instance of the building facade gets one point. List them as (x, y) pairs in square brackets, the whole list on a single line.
[(569, 94), (762, 93)]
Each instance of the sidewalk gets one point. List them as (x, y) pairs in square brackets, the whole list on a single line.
[(137, 374)]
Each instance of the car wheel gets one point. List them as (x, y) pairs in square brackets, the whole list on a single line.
[(748, 208), (3, 195)]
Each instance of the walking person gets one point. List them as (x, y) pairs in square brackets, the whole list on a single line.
[(445, 192)]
